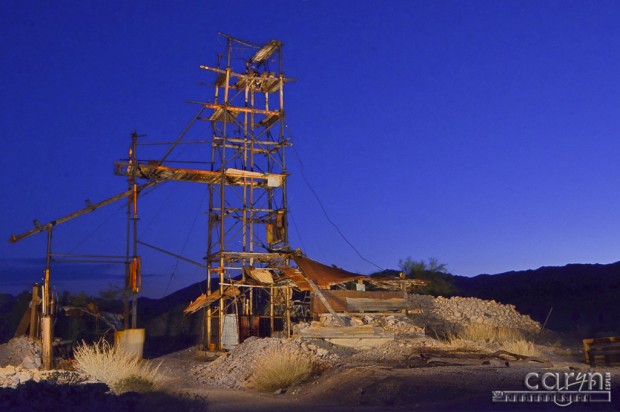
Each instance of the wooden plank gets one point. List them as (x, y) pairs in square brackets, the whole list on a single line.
[(376, 305), (23, 323), (34, 312), (352, 332), (337, 298)]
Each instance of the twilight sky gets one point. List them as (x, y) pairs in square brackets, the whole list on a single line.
[(482, 133)]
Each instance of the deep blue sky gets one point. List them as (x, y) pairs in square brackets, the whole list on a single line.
[(482, 133)]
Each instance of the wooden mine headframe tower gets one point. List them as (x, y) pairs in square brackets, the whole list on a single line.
[(247, 205), (246, 176)]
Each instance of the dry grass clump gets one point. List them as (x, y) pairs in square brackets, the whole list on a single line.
[(521, 347), (479, 336), (121, 372), (281, 370), (476, 332)]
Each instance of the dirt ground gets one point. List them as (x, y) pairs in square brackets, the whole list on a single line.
[(428, 380), (414, 374)]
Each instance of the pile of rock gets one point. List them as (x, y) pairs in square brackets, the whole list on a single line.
[(449, 314), (397, 324), (235, 369), (20, 362), (21, 351)]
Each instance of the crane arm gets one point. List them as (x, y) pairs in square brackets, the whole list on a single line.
[(89, 208)]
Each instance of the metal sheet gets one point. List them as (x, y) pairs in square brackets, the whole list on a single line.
[(296, 277), (205, 300), (230, 332), (263, 276), (324, 276)]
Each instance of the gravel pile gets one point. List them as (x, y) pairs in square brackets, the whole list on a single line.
[(450, 314), (235, 369), (21, 351)]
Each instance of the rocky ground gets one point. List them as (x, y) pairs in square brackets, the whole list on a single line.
[(414, 371)]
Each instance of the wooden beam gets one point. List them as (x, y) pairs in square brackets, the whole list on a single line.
[(318, 292)]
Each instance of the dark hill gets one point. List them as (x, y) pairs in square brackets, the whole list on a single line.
[(155, 307), (585, 297)]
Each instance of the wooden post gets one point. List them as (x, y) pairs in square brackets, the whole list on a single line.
[(288, 311), (271, 311), (34, 325), (46, 342), (403, 287)]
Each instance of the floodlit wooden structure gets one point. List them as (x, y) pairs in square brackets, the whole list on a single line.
[(247, 236), (238, 150)]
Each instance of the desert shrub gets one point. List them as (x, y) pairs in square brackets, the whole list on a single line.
[(521, 347), (508, 339), (508, 335), (453, 342), (121, 372), (477, 332), (281, 370)]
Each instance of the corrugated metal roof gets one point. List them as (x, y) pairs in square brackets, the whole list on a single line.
[(324, 276)]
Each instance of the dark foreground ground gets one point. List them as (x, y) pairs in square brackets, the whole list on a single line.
[(417, 386)]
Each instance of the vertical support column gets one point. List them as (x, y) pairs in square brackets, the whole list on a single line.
[(271, 311), (47, 331), (127, 290), (209, 315), (222, 308), (288, 291), (223, 183), (403, 287), (135, 266), (47, 337)]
